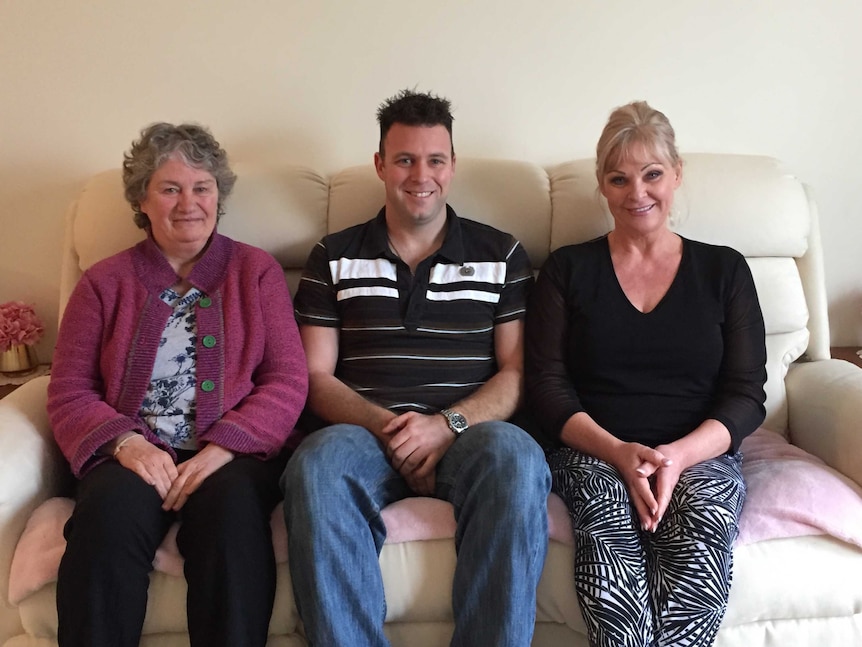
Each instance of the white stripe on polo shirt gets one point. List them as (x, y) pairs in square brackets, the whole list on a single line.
[(343, 269), (429, 358), (441, 331), (370, 291), (457, 385), (461, 295), (512, 249), (311, 280), (321, 318), (370, 328), (411, 406), (485, 272)]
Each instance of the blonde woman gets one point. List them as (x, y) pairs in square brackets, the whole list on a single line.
[(645, 360)]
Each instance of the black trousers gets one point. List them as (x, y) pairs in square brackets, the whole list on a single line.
[(224, 537)]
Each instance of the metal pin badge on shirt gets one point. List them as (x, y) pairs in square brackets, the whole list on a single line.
[(466, 270)]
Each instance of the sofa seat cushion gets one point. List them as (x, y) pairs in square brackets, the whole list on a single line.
[(38, 553), (824, 581), (793, 499), (166, 608), (819, 591)]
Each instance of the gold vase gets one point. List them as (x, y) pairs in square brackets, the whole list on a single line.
[(18, 359)]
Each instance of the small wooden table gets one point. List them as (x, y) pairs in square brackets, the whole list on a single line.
[(10, 381), (6, 389), (849, 353)]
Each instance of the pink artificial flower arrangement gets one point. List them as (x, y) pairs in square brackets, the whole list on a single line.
[(18, 325)]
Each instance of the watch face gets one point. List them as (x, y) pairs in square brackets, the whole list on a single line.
[(457, 422)]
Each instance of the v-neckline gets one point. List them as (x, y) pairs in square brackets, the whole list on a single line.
[(664, 297)]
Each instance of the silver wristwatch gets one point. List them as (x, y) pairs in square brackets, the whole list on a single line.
[(456, 421)]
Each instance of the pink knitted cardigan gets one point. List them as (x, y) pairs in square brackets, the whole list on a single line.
[(251, 383)]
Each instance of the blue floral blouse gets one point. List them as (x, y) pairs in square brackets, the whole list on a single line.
[(169, 406)]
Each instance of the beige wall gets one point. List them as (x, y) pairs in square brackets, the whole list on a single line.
[(299, 80)]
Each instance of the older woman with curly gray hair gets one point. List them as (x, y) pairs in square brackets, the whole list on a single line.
[(177, 379)]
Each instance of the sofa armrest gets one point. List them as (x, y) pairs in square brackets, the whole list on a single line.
[(32, 469), (825, 412)]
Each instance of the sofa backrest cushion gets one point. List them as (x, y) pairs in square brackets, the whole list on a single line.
[(746, 202), (509, 195)]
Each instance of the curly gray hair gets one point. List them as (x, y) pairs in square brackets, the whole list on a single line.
[(161, 141)]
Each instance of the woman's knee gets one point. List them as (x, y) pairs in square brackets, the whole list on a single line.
[(581, 478), (243, 491), (115, 506), (112, 536), (715, 485)]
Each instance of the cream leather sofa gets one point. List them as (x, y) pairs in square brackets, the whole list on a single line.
[(788, 590)]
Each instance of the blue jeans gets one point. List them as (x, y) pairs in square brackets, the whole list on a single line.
[(337, 482)]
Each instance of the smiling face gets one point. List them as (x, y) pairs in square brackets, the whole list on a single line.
[(181, 203), (639, 189), (416, 168)]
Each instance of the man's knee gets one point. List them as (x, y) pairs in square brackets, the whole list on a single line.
[(330, 467), (320, 452), (504, 460), (508, 447)]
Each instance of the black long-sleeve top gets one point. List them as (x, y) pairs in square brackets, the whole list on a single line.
[(646, 377)]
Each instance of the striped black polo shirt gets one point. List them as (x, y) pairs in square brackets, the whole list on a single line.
[(421, 342)]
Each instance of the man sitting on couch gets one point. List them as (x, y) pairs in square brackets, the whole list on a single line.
[(413, 328)]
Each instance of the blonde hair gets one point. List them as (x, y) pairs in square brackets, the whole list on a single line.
[(635, 124)]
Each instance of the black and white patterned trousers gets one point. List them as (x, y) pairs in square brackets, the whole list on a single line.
[(642, 589)]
